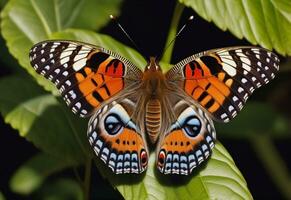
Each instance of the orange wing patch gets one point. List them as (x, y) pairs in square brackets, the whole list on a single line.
[(210, 86), (98, 81), (177, 141), (106, 65)]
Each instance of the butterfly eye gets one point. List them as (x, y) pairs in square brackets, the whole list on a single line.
[(192, 126), (113, 124)]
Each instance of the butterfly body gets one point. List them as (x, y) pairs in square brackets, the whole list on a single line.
[(173, 111), (154, 86)]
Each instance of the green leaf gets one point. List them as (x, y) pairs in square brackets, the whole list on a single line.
[(258, 118), (266, 22), (95, 13), (41, 119), (61, 189), (32, 173), (220, 178), (25, 23)]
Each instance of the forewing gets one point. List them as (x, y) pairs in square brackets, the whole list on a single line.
[(85, 75), (117, 139), (222, 80)]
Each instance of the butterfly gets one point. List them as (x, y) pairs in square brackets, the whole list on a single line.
[(131, 110)]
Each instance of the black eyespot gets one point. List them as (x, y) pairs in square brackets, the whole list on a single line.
[(113, 124), (192, 126)]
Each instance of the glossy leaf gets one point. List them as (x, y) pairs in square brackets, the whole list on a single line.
[(25, 23), (267, 22), (220, 178), (41, 119), (255, 118), (31, 175), (95, 13)]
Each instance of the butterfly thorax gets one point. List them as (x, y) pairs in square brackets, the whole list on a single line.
[(154, 85)]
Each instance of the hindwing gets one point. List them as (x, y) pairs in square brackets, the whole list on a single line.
[(117, 139), (188, 142)]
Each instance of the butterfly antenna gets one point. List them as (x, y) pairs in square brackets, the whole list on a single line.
[(127, 35), (177, 35)]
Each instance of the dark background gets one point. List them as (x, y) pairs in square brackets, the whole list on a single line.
[(148, 22)]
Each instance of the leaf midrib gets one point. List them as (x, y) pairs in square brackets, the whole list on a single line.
[(41, 17)]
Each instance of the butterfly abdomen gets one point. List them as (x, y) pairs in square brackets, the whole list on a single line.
[(153, 119)]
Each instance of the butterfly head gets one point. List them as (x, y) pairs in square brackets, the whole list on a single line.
[(153, 65)]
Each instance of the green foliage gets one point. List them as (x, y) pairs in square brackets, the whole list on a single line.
[(2, 3), (61, 189), (267, 22), (31, 175), (40, 118)]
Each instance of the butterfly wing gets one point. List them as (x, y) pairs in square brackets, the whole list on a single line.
[(189, 140), (85, 75), (117, 139), (93, 80), (222, 80)]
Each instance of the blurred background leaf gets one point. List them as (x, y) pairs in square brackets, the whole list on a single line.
[(60, 189), (2, 196), (261, 22), (31, 175), (255, 118), (2, 3)]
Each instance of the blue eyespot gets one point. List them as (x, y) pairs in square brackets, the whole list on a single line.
[(113, 124), (192, 126)]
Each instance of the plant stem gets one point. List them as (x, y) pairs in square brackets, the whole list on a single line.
[(87, 178), (172, 32), (273, 163)]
